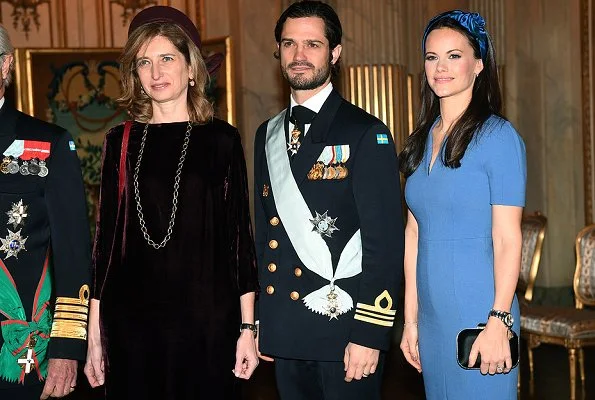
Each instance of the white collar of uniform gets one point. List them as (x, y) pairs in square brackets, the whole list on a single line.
[(2, 101), (315, 102)]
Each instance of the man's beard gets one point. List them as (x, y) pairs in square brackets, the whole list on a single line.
[(301, 82)]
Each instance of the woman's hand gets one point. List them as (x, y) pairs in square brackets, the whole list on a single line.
[(94, 367), (246, 358), (494, 347), (409, 345)]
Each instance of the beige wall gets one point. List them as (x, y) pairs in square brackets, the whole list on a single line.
[(543, 98), (538, 43)]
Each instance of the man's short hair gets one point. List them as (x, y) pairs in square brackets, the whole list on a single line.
[(6, 48)]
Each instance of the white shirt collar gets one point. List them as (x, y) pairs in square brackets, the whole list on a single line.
[(2, 101), (315, 102)]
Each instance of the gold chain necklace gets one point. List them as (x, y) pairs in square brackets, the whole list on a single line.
[(139, 207)]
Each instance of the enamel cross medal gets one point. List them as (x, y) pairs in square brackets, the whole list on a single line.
[(27, 362), (294, 143), (332, 307)]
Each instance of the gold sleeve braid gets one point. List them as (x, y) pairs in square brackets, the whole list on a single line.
[(377, 314), (70, 317)]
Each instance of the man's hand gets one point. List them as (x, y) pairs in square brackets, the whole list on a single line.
[(360, 361), (61, 379)]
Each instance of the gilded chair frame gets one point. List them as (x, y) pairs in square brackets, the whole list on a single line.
[(536, 258), (580, 301), (573, 345)]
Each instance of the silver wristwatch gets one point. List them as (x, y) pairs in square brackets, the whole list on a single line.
[(503, 316)]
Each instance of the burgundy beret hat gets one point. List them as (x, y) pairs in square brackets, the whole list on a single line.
[(175, 16)]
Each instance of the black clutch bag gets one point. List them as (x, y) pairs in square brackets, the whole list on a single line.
[(465, 340)]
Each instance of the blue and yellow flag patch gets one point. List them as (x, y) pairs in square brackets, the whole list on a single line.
[(381, 138)]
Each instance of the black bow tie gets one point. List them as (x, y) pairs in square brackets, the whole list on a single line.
[(301, 116)]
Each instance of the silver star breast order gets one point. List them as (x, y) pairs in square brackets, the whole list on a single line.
[(13, 243), (17, 214), (323, 224)]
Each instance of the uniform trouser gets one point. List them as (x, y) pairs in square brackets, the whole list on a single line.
[(324, 380), (28, 392)]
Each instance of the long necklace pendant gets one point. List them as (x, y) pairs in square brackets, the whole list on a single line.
[(139, 207)]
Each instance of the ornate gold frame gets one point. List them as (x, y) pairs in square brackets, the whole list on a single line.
[(25, 81)]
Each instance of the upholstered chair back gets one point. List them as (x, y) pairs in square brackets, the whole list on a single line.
[(584, 275), (533, 230)]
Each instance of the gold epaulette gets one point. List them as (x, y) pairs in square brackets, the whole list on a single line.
[(70, 317), (377, 314)]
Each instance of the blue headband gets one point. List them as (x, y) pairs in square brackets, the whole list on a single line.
[(472, 22)]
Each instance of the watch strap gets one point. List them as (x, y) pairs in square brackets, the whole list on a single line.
[(251, 327), (503, 316)]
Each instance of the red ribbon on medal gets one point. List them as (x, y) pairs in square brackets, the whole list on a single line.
[(35, 149)]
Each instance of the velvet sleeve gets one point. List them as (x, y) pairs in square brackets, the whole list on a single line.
[(106, 212), (242, 254)]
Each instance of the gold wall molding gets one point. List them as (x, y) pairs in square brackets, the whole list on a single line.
[(131, 7), (494, 12), (383, 90), (24, 12)]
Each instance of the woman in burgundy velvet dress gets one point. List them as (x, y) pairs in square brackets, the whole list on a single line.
[(175, 271)]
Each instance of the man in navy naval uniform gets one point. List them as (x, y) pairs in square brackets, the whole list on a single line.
[(329, 228), (44, 253)]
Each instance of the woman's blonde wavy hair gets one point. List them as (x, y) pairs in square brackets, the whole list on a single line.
[(135, 100)]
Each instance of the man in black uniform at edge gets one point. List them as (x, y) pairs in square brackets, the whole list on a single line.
[(329, 228), (44, 253)]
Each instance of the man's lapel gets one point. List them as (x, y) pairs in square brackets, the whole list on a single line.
[(315, 140)]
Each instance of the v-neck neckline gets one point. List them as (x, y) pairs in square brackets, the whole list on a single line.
[(432, 161)]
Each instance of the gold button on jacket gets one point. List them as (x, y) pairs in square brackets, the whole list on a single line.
[(270, 289), (297, 272), (273, 244), (274, 221), (272, 267), (294, 295)]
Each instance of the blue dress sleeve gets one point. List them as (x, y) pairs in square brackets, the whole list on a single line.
[(505, 164)]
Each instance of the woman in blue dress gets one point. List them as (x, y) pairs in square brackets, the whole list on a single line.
[(466, 173)]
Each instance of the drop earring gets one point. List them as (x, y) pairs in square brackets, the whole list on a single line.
[(191, 82)]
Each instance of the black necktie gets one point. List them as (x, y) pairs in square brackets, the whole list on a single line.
[(300, 117)]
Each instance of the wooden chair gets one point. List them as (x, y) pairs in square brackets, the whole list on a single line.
[(573, 328), (533, 229)]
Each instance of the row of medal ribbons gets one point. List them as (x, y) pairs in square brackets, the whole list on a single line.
[(34, 166)]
